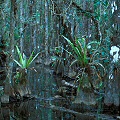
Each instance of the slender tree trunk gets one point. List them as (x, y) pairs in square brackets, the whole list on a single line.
[(21, 26), (112, 88), (46, 28), (11, 51), (35, 27)]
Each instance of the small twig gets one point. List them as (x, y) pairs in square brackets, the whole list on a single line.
[(14, 118)]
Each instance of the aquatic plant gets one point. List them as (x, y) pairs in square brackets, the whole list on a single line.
[(23, 62)]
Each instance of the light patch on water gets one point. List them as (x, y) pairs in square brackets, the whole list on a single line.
[(114, 3), (116, 7), (21, 29), (89, 46), (113, 6), (113, 25), (114, 52), (89, 35), (112, 10), (111, 76), (12, 50)]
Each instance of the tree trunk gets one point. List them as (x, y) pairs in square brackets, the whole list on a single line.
[(46, 28), (112, 88), (8, 81), (21, 27)]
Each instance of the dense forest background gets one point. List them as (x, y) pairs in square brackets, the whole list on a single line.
[(43, 25)]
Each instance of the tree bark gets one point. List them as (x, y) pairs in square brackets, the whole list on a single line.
[(46, 28), (8, 81)]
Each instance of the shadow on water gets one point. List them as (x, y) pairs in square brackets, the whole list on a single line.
[(47, 105)]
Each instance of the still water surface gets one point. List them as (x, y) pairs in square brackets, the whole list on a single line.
[(48, 105)]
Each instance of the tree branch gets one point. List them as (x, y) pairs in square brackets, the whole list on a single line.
[(88, 14)]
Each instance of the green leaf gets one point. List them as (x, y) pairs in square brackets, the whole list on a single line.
[(31, 59), (18, 63), (83, 42), (75, 49), (85, 59), (24, 63), (100, 98), (79, 46), (79, 56), (101, 84), (78, 89), (20, 55), (80, 51)]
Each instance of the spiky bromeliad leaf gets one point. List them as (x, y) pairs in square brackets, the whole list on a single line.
[(20, 55), (75, 49), (79, 46), (79, 56), (83, 42), (31, 59), (80, 51), (83, 50), (18, 63), (24, 63), (71, 44)]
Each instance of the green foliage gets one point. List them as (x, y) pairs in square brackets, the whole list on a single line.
[(80, 49), (24, 63), (88, 64)]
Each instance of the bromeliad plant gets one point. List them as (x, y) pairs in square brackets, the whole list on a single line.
[(80, 50), (23, 62), (80, 53)]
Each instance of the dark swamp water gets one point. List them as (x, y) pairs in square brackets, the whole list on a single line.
[(48, 104)]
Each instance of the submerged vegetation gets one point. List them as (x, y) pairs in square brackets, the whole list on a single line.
[(77, 41)]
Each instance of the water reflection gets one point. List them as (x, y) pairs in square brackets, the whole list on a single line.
[(47, 105), (43, 86)]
